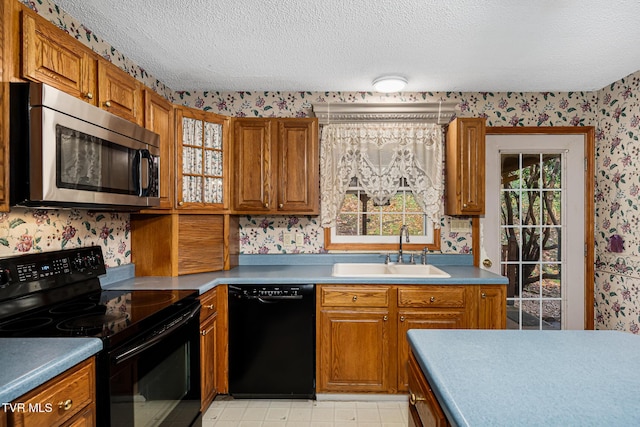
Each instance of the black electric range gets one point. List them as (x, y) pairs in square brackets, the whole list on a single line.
[(58, 294)]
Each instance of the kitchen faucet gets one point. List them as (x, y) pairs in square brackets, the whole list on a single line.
[(406, 233)]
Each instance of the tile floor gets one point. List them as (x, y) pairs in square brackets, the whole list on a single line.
[(227, 412)]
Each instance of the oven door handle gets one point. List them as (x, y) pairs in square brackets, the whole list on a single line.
[(135, 349)]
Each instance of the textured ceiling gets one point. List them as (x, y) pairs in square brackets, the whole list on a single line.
[(343, 45)]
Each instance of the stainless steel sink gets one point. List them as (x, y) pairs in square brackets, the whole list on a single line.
[(387, 270)]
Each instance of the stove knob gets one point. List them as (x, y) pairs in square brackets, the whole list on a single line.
[(5, 276)]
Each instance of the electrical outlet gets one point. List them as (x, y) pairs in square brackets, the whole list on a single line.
[(287, 240), (299, 239), (460, 225)]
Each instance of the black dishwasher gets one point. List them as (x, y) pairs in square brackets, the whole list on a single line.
[(272, 341)]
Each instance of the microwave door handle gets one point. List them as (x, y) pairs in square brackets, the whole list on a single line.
[(144, 154)]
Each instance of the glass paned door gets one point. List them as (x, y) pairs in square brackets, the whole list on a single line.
[(530, 235), (533, 230)]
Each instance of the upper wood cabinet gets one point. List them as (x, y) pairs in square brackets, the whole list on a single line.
[(202, 160), (465, 166), (51, 56), (276, 166), (119, 93), (158, 117)]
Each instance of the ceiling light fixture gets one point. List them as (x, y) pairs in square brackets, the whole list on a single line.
[(389, 84)]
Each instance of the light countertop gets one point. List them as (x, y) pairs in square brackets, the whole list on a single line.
[(299, 269), (532, 378), (30, 362)]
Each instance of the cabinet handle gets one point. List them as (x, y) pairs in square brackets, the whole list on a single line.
[(210, 306), (107, 104), (432, 299), (281, 205), (483, 295), (413, 399), (385, 318), (203, 333), (65, 405), (402, 318), (355, 298), (89, 95)]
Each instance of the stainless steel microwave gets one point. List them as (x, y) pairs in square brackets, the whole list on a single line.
[(67, 153)]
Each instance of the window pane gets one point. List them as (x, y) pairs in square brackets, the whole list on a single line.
[(415, 222), (411, 203), (391, 224), (347, 225), (350, 203)]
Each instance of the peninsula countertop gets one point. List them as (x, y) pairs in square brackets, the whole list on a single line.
[(532, 378), (30, 362)]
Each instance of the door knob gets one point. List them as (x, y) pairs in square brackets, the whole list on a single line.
[(487, 263)]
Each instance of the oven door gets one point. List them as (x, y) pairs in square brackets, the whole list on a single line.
[(155, 380)]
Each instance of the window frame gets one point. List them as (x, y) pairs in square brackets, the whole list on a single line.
[(388, 243)]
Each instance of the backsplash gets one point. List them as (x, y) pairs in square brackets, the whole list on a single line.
[(614, 110), (35, 230)]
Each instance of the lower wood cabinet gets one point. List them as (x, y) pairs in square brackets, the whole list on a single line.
[(66, 400), (213, 351), (361, 329), (424, 409), (355, 350)]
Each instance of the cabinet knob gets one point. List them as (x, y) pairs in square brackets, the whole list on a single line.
[(266, 205), (385, 318), (487, 263), (355, 298), (413, 399), (65, 405), (402, 318), (432, 299), (209, 306), (203, 333), (483, 295), (464, 205), (281, 205), (89, 95), (180, 203), (107, 104)]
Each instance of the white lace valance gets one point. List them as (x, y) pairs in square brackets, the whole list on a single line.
[(379, 155)]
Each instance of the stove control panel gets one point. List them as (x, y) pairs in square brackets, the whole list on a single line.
[(59, 266)]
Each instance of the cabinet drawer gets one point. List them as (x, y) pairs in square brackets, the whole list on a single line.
[(355, 296), (65, 396), (209, 303), (431, 296)]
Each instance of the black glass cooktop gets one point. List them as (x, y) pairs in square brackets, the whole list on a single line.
[(108, 314), (58, 294)]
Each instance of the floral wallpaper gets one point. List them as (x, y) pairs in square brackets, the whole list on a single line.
[(613, 110), (35, 230), (617, 200)]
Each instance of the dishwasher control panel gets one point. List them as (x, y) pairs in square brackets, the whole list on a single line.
[(274, 291)]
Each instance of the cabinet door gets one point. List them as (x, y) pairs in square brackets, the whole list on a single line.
[(158, 117), (297, 166), (424, 408), (354, 351), (202, 160), (465, 158), (50, 56), (492, 307), (252, 165), (119, 93), (208, 351), (423, 319)]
